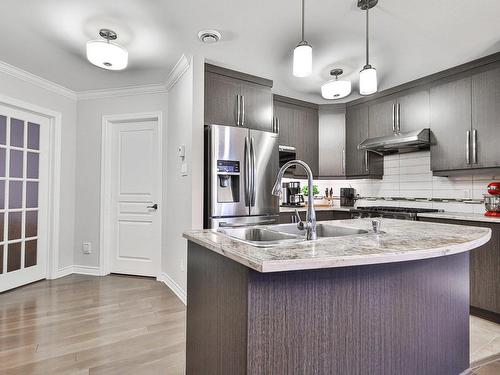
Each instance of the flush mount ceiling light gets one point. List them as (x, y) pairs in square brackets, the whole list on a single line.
[(368, 75), (105, 53), (335, 88), (302, 55), (209, 36)]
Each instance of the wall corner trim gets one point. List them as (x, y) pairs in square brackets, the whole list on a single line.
[(174, 287), (37, 81), (122, 91), (177, 72)]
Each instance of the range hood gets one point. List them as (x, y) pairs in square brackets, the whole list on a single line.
[(401, 142)]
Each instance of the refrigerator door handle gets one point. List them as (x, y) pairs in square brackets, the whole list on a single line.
[(252, 169), (246, 173)]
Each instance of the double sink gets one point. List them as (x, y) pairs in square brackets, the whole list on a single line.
[(277, 235)]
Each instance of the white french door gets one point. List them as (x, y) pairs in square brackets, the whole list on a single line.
[(24, 143), (135, 190)]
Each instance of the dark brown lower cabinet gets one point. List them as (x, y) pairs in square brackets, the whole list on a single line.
[(289, 217), (405, 318), (484, 272)]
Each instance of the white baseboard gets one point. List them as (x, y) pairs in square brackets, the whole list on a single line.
[(168, 281), (65, 271), (87, 270)]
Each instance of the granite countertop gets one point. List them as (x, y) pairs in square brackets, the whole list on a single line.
[(460, 216), (316, 208), (403, 240)]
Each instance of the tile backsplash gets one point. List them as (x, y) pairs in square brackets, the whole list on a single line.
[(409, 176)]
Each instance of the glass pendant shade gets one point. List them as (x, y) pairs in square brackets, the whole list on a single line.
[(302, 60), (368, 81), (107, 55), (335, 89)]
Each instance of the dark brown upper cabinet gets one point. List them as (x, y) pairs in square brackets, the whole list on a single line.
[(360, 164), (237, 99), (382, 118), (451, 125), (332, 154), (399, 113), (485, 133), (297, 125), (285, 123), (413, 111)]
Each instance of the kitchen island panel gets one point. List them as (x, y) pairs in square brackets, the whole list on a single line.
[(396, 318)]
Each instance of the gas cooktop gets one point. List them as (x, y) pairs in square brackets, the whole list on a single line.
[(409, 213), (396, 209)]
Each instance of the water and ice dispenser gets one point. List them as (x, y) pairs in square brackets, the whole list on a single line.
[(228, 181)]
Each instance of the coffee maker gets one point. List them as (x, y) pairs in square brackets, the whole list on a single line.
[(291, 194), (347, 197)]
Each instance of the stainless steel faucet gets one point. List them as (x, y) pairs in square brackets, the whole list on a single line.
[(310, 225)]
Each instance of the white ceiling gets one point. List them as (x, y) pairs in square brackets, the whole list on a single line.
[(410, 39)]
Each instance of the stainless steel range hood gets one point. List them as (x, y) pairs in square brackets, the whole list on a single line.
[(401, 142)]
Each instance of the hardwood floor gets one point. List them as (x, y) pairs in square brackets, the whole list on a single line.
[(111, 325), (92, 325)]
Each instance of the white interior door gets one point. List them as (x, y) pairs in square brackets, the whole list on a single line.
[(24, 174), (135, 192)]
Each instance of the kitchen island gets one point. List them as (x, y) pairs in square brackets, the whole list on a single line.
[(390, 303)]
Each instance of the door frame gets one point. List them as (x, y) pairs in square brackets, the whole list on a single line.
[(106, 181), (54, 180)]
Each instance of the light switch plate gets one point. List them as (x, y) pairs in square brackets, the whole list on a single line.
[(184, 169), (181, 151)]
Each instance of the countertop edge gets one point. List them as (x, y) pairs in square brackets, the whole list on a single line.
[(275, 266), (336, 261)]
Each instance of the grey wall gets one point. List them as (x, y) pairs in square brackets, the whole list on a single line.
[(36, 95), (88, 163), (184, 194)]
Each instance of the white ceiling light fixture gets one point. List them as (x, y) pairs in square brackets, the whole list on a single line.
[(335, 88), (209, 36), (368, 75), (107, 54), (302, 55)]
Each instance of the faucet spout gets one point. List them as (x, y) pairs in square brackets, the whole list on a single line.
[(311, 214)]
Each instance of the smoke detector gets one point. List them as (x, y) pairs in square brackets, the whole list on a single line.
[(209, 36)]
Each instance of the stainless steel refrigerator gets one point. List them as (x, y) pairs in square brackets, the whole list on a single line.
[(240, 169)]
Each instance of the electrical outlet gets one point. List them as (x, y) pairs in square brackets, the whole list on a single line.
[(182, 266), (87, 248)]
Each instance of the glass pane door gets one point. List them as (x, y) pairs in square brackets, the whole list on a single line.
[(20, 179)]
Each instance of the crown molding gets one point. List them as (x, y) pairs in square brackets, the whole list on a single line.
[(122, 91), (37, 81), (177, 72)]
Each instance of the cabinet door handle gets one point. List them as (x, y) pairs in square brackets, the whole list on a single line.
[(343, 161), (467, 147), (398, 123), (394, 118), (366, 161), (238, 110), (474, 146), (242, 110), (277, 125)]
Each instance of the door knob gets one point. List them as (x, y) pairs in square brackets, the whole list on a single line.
[(154, 206)]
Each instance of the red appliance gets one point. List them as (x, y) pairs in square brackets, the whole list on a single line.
[(492, 200)]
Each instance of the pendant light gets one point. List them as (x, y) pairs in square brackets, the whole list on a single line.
[(302, 55), (335, 88), (368, 75), (105, 53)]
